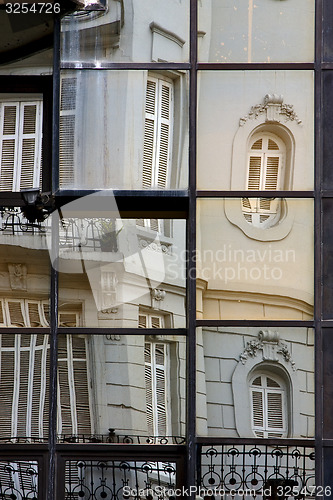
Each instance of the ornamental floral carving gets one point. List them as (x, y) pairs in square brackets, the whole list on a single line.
[(275, 110), (270, 346)]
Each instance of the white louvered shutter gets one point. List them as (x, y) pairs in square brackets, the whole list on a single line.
[(268, 407), (157, 404), (157, 133), (265, 172), (73, 386), (67, 131), (21, 145)]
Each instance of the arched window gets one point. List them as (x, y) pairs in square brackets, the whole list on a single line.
[(268, 406), (265, 172)]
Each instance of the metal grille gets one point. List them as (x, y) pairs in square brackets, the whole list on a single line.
[(247, 469), (117, 480)]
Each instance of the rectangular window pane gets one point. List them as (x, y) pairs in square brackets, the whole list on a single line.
[(256, 31), (255, 130), (132, 134), (255, 382), (121, 272), (121, 389), (255, 258), (144, 32)]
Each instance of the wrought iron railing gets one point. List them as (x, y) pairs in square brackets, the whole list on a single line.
[(13, 222), (257, 469), (112, 437), (18, 480), (118, 480)]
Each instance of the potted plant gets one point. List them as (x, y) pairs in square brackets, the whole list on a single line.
[(108, 235)]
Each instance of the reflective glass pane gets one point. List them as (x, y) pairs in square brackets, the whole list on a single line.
[(19, 479), (145, 31), (256, 31), (255, 259), (121, 272), (25, 271), (130, 134), (24, 388), (255, 382), (121, 389), (255, 120)]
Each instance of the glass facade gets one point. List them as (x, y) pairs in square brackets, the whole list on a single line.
[(165, 241)]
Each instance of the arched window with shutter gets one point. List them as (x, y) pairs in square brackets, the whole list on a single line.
[(268, 406), (20, 144), (265, 172), (157, 133)]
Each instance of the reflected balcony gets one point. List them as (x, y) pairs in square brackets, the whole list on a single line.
[(258, 468)]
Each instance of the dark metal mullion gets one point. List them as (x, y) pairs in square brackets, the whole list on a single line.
[(255, 194), (191, 247), (254, 323), (121, 331), (51, 493), (318, 238), (79, 65), (255, 66)]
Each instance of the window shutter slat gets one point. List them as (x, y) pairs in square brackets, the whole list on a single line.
[(148, 153), (274, 410), (7, 164), (161, 402), (67, 120), (16, 314), (6, 389), (258, 409), (254, 173), (28, 163), (157, 134), (272, 173), (10, 119)]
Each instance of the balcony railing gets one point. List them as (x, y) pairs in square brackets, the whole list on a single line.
[(114, 438), (257, 469), (118, 480)]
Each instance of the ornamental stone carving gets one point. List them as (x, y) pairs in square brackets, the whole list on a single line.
[(271, 349), (275, 110), (17, 276)]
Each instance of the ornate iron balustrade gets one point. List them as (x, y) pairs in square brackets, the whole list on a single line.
[(22, 440), (13, 222), (118, 480), (120, 439), (74, 234), (18, 480), (257, 469)]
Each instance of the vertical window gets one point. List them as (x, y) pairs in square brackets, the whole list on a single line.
[(268, 404), (265, 173), (157, 133), (156, 365), (21, 144), (73, 387), (24, 389)]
